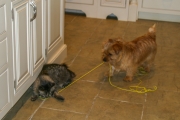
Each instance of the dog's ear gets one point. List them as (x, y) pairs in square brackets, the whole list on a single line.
[(106, 44), (110, 40), (152, 29), (117, 48)]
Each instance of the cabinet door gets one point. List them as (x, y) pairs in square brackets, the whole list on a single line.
[(6, 79), (55, 30), (38, 37), (22, 46)]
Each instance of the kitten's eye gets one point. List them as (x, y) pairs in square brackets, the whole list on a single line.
[(109, 54)]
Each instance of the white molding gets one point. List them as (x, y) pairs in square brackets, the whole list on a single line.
[(133, 14), (88, 2), (113, 3)]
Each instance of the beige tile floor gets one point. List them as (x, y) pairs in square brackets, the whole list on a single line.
[(92, 97)]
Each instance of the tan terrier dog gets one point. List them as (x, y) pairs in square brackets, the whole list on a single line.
[(128, 56)]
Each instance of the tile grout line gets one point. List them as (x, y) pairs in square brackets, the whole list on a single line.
[(87, 115), (83, 44), (104, 79), (75, 57), (73, 19), (36, 110), (125, 30), (142, 113), (121, 101), (63, 110), (93, 32)]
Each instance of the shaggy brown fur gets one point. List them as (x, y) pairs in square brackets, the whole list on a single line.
[(128, 56)]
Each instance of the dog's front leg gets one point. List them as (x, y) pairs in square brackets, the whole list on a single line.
[(111, 73), (130, 72)]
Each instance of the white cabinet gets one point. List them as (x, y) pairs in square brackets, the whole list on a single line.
[(31, 34), (123, 9), (28, 43), (117, 7), (6, 71), (165, 10), (90, 2), (56, 49), (89, 7)]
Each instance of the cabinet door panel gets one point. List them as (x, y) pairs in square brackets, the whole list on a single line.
[(54, 20), (55, 30), (6, 69), (80, 1), (3, 53), (4, 91), (161, 4), (22, 42), (39, 36), (113, 3)]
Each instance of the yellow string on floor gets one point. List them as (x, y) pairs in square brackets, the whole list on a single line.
[(137, 88), (82, 76)]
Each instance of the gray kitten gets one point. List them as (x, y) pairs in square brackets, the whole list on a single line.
[(52, 78)]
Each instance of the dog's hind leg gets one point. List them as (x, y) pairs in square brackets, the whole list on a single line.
[(149, 62), (130, 72)]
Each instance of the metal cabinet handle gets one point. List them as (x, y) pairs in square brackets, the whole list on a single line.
[(34, 10)]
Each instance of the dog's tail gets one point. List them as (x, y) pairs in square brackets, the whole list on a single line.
[(152, 29), (58, 97)]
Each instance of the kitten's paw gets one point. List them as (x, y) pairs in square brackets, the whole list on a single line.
[(58, 97), (33, 98)]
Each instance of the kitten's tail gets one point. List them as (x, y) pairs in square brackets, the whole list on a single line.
[(58, 97)]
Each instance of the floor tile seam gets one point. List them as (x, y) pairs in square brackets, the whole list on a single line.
[(142, 113), (61, 110), (74, 58), (84, 44), (168, 90), (94, 100), (125, 30), (145, 100), (168, 47), (36, 110), (73, 19), (174, 82), (122, 101), (113, 28), (91, 81), (93, 32)]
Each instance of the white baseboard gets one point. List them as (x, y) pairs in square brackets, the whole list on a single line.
[(159, 17)]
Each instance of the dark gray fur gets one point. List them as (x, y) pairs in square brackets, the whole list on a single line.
[(52, 78)]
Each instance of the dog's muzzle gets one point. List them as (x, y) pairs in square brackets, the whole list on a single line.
[(105, 59)]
